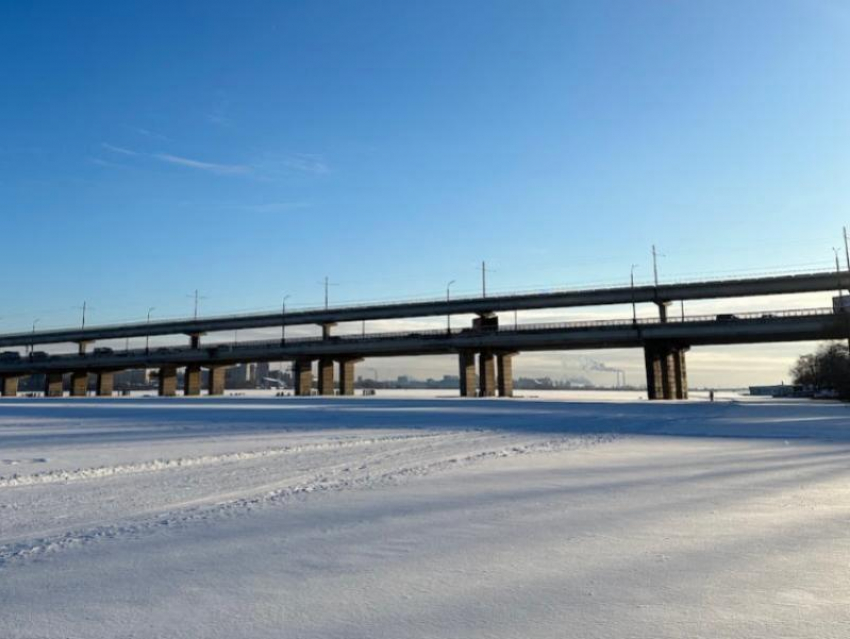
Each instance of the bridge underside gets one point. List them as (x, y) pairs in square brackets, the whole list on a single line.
[(664, 344)]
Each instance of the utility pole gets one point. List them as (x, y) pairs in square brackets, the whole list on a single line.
[(448, 299), (148, 336), (32, 342), (327, 284), (634, 306), (655, 265), (846, 249), (197, 297), (83, 325), (283, 320)]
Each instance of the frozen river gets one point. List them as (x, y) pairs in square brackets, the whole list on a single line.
[(424, 517)]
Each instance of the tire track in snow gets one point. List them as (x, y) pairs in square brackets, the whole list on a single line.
[(335, 478), (101, 472)]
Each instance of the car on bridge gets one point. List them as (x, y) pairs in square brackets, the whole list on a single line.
[(727, 317), (10, 356), (100, 352)]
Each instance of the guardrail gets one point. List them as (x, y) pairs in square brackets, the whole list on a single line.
[(231, 347), (379, 304)]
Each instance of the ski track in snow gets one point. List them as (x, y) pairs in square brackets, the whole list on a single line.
[(350, 472), (101, 472)]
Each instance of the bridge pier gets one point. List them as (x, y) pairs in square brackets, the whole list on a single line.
[(192, 380), (105, 383), (666, 372), (486, 374), (326, 376), (195, 340), (8, 386), (79, 383), (167, 381), (215, 380), (662, 310), (302, 376), (466, 360), (505, 366), (53, 384), (346, 376)]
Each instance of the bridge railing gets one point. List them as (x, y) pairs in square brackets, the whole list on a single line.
[(583, 288), (223, 348)]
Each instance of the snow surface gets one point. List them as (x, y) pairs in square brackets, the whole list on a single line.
[(387, 517)]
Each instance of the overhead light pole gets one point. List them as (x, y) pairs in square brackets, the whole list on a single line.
[(655, 265), (634, 306), (847, 249), (147, 328), (32, 341), (448, 299), (283, 320)]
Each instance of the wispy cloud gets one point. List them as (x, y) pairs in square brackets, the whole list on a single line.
[(272, 207), (265, 169), (118, 149), (222, 169), (149, 134), (307, 163)]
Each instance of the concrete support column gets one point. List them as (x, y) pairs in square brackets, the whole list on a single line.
[(326, 330), (302, 376), (79, 383), (346, 376), (466, 359), (82, 347), (505, 366), (486, 374), (680, 373), (195, 341), (326, 376), (53, 384), (9, 386), (666, 373), (215, 380), (662, 310), (167, 381), (105, 383), (192, 380)]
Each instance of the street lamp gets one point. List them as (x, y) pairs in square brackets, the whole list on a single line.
[(283, 320), (147, 328), (634, 306), (448, 298), (32, 342)]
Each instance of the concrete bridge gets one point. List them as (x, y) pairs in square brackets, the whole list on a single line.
[(665, 342), (661, 295)]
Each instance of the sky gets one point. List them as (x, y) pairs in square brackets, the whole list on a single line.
[(248, 150)]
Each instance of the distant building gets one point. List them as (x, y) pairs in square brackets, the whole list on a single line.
[(777, 390)]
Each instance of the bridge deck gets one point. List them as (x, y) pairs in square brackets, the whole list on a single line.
[(773, 326), (742, 287)]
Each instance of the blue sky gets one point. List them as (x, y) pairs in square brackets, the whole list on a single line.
[(249, 149)]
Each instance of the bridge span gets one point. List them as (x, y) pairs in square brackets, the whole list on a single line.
[(664, 341), (660, 295)]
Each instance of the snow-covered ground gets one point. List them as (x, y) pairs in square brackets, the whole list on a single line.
[(424, 517)]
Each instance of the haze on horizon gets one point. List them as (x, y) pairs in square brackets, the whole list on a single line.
[(152, 150)]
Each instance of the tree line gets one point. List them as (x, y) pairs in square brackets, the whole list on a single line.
[(828, 369)]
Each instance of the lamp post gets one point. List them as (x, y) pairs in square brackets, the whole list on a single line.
[(32, 341), (283, 320), (448, 299), (634, 306), (147, 328)]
